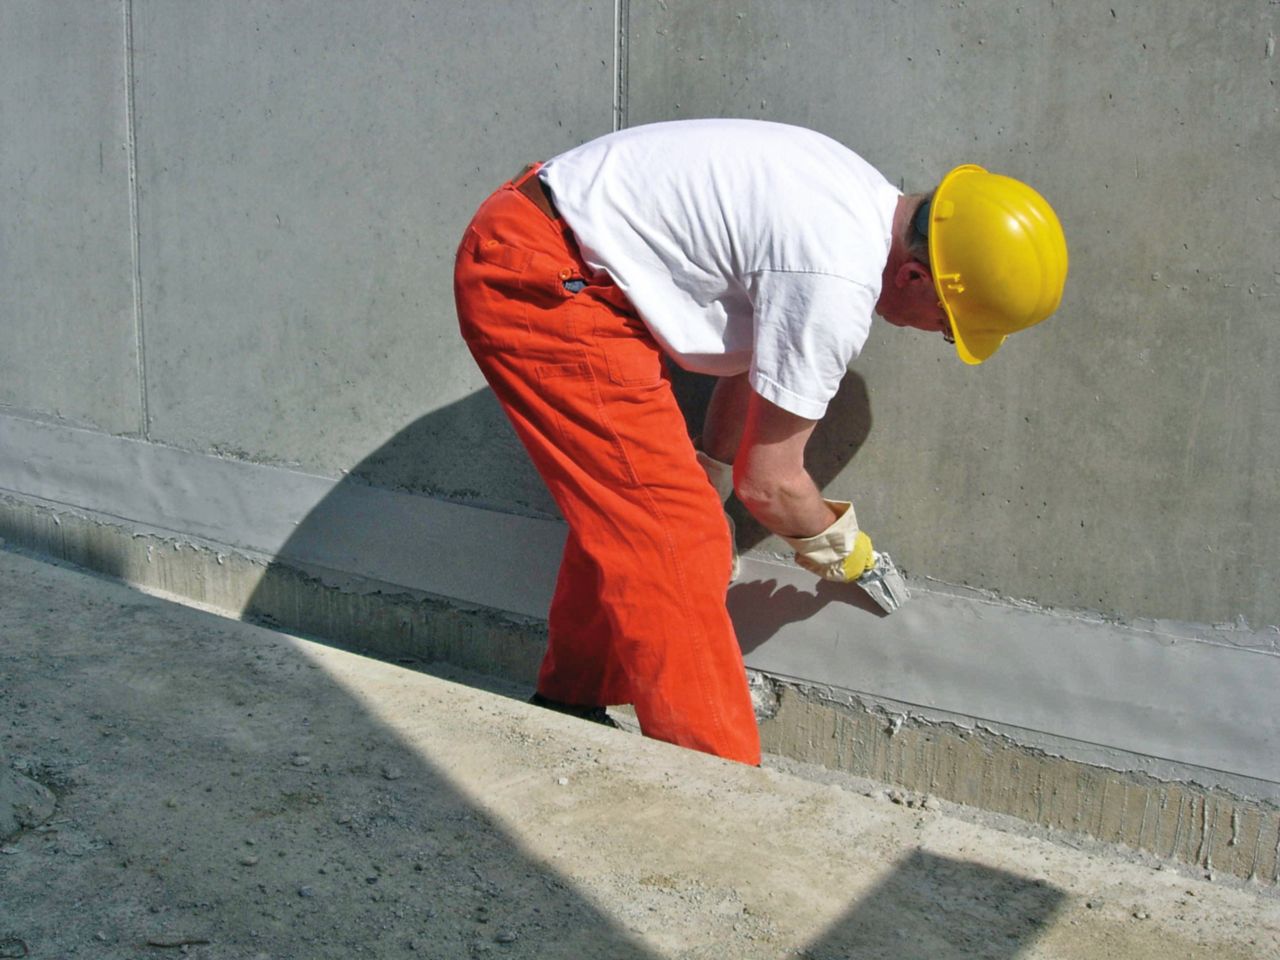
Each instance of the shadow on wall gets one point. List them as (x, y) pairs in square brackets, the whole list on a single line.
[(467, 452), (454, 452)]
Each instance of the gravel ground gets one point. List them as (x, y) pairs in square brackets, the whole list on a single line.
[(226, 791)]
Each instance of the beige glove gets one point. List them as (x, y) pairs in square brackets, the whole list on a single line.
[(721, 476), (841, 552)]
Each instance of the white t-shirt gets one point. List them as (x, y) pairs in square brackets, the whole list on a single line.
[(744, 245)]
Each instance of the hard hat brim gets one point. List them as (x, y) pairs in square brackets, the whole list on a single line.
[(974, 348)]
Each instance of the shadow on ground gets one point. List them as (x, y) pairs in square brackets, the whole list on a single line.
[(220, 789), (954, 910), (273, 833), (217, 786)]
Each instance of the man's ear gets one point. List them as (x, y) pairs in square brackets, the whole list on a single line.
[(912, 273)]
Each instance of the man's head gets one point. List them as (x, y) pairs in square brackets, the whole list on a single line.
[(982, 257), (908, 296)]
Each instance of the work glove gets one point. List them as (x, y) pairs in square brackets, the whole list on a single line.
[(721, 476), (841, 552)]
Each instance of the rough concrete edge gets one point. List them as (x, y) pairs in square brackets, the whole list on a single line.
[(1184, 822), (395, 623), (766, 692)]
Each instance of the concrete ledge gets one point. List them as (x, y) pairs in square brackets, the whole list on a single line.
[(1186, 821), (1156, 735), (384, 619), (884, 740)]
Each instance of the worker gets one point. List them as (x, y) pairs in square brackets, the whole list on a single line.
[(757, 253)]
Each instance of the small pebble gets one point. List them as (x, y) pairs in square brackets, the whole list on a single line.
[(506, 936), (1139, 914), (392, 773), (563, 781), (248, 861), (306, 892), (301, 760)]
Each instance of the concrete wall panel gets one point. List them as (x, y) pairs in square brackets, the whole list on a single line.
[(67, 339), (1119, 457), (306, 173)]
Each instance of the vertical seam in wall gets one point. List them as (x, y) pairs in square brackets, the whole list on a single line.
[(131, 148), (621, 25)]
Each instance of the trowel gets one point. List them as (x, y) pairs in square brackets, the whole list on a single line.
[(884, 583)]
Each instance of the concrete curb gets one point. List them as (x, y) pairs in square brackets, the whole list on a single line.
[(1184, 820)]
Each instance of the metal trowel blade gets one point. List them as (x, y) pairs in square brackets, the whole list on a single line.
[(885, 584)]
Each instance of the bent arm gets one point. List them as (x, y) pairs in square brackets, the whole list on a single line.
[(769, 476)]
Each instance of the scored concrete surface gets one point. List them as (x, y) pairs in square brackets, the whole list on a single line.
[(230, 791)]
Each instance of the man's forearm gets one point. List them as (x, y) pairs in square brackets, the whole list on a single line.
[(791, 506), (726, 415), (769, 474)]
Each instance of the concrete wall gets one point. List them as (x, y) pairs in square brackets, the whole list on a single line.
[(227, 229), (1120, 458)]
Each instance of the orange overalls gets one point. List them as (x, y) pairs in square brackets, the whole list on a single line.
[(638, 614)]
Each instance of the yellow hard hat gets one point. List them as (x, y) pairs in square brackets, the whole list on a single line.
[(998, 257)]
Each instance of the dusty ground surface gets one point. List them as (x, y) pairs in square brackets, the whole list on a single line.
[(225, 791)]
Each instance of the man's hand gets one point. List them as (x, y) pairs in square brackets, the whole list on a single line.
[(841, 552)]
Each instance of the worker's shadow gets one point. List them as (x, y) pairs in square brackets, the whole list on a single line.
[(440, 455), (481, 443), (760, 609)]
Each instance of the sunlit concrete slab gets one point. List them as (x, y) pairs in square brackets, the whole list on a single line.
[(240, 792)]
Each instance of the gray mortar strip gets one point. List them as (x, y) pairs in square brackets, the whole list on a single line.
[(475, 556), (1183, 696), (1175, 701), (1091, 690)]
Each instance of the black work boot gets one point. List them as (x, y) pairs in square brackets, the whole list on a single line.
[(594, 714)]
